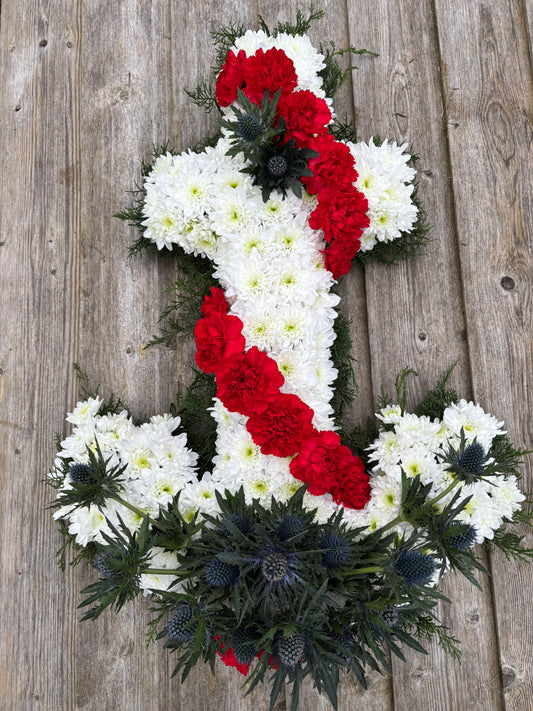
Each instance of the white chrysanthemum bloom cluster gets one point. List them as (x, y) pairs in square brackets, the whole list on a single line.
[(416, 446), (158, 466), (385, 179), (269, 263)]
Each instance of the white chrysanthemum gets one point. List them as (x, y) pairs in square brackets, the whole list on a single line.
[(505, 495), (84, 411), (251, 41), (473, 421), (160, 559), (390, 415), (88, 524), (233, 211), (199, 496), (386, 449), (480, 512), (385, 180), (157, 487)]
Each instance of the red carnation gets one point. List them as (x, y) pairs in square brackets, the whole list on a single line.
[(215, 303), (270, 70), (249, 382), (317, 462), (231, 77), (353, 488), (305, 115), (338, 256), (217, 337), (341, 212), (281, 429), (334, 165), (230, 660)]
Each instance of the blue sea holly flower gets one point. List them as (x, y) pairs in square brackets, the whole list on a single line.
[(336, 550), (218, 573), (416, 568), (277, 565)]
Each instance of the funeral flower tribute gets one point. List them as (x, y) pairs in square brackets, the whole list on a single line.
[(266, 531)]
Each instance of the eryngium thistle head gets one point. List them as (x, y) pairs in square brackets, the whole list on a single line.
[(291, 526), (180, 629), (277, 166), (100, 563), (291, 649), (462, 541), (346, 639), (244, 644), (275, 565), (240, 522), (391, 617), (415, 567), (249, 127), (336, 550), (81, 473), (218, 573), (472, 459)]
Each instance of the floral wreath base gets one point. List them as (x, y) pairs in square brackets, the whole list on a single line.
[(305, 549)]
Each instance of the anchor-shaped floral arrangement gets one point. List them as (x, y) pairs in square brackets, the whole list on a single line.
[(296, 547)]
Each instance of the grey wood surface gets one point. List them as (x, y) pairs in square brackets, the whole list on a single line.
[(87, 88)]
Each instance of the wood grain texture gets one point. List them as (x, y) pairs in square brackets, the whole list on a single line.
[(87, 89), (415, 311), (125, 108), (39, 211), (489, 109)]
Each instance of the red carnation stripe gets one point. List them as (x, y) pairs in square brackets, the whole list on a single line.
[(268, 71), (230, 660), (281, 429), (215, 303), (249, 382), (305, 115), (231, 78), (316, 462), (352, 489), (333, 166), (327, 466), (217, 338)]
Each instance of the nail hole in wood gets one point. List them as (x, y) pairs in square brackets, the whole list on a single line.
[(507, 283), (43, 43)]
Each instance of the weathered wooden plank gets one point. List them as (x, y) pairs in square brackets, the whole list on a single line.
[(488, 105), (126, 104), (39, 214), (417, 319)]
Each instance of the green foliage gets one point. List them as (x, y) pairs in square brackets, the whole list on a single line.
[(343, 130), (124, 558), (300, 27), (203, 96), (110, 406), (438, 398), (360, 438), (224, 38), (279, 166), (342, 612), (345, 386), (333, 77), (77, 552), (263, 116), (105, 483), (180, 317), (192, 408)]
